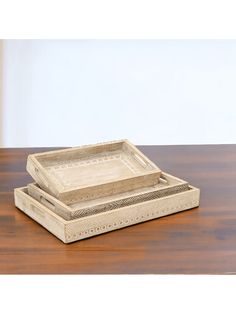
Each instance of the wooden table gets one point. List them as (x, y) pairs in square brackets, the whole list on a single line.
[(197, 241)]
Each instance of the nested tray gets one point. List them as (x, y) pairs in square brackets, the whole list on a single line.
[(167, 185), (80, 228), (92, 171)]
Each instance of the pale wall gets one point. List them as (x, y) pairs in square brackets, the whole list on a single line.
[(65, 93), (1, 92)]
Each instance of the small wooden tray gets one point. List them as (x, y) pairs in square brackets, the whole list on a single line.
[(167, 185), (80, 228), (92, 171)]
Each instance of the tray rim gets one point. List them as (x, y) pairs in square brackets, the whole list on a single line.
[(55, 187)]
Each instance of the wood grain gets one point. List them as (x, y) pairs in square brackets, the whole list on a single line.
[(85, 227), (168, 185), (87, 172), (199, 241)]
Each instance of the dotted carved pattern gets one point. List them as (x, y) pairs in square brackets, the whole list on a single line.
[(63, 164), (69, 164), (72, 234), (128, 201)]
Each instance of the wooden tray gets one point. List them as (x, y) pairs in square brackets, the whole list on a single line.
[(80, 228), (167, 185), (92, 171)]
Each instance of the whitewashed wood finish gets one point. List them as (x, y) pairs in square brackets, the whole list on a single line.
[(80, 228), (92, 171), (167, 185)]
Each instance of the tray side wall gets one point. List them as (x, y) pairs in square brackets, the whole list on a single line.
[(39, 213), (108, 189), (68, 213), (38, 174), (78, 229), (126, 216), (76, 194), (49, 201)]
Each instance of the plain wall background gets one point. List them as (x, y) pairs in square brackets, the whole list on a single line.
[(1, 92), (68, 93)]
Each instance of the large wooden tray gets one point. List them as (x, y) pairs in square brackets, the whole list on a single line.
[(167, 185), (92, 171), (80, 228)]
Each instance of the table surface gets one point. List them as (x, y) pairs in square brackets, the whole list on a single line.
[(197, 241)]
